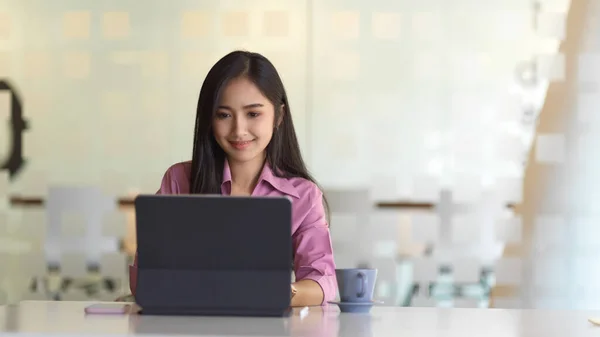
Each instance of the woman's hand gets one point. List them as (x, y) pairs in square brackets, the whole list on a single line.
[(293, 291), (125, 298)]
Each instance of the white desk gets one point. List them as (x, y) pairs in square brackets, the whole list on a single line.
[(68, 319)]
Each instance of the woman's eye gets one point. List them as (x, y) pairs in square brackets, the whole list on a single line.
[(253, 114), (222, 115)]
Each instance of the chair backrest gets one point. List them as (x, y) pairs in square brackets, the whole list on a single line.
[(348, 201), (74, 218)]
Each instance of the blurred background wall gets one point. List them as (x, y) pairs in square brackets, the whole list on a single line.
[(453, 138)]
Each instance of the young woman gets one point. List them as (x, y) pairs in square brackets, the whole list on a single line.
[(245, 145)]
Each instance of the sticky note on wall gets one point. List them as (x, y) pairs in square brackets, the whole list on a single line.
[(234, 24), (276, 24), (386, 26), (345, 25), (195, 24), (76, 25), (116, 25)]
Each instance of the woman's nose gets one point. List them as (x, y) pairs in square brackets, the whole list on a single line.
[(240, 126)]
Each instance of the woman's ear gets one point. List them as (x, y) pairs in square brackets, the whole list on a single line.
[(281, 113)]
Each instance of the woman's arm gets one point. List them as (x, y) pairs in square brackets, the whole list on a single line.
[(133, 275), (314, 265), (308, 293)]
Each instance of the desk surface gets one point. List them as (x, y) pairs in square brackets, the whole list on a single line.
[(68, 319)]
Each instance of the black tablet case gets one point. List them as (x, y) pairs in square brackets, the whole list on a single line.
[(213, 255)]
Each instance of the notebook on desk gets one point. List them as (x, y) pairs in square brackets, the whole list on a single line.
[(213, 255)]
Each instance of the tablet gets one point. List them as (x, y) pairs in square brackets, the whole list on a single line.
[(213, 254)]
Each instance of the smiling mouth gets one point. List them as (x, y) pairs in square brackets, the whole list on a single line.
[(240, 145)]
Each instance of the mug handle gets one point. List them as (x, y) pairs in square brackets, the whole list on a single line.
[(363, 284)]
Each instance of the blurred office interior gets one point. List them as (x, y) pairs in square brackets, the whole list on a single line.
[(453, 138)]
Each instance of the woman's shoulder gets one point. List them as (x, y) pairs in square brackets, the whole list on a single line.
[(176, 179), (306, 189), (309, 207), (180, 168)]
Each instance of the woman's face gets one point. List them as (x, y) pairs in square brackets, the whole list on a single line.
[(244, 122)]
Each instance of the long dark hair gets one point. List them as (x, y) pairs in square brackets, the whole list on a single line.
[(283, 152)]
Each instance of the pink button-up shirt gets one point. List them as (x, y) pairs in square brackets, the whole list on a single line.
[(311, 239)]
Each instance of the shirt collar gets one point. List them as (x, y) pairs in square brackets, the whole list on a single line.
[(281, 184)]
